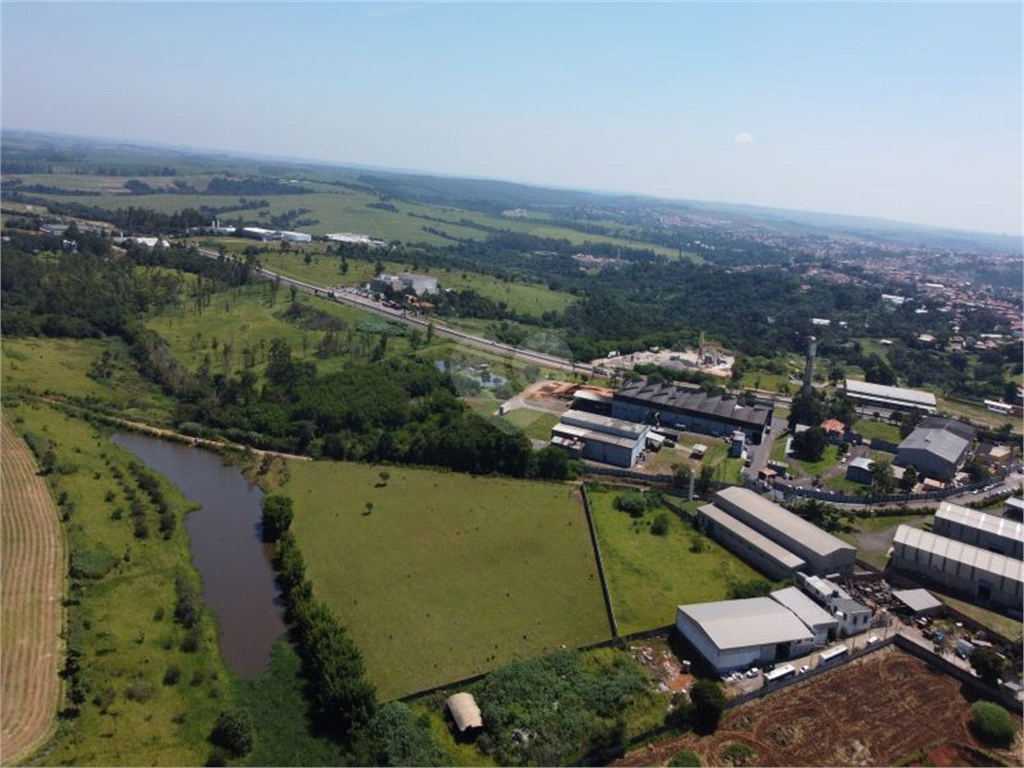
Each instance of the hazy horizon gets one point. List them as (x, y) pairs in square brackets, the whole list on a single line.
[(908, 112)]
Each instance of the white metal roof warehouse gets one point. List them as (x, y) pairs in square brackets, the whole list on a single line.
[(986, 531), (823, 552), (987, 576), (755, 548), (737, 633), (892, 397)]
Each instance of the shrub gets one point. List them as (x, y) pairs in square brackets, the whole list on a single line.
[(988, 664), (395, 736), (91, 564), (660, 525), (752, 588), (172, 675), (233, 732), (140, 690), (193, 639), (277, 516), (737, 753), (708, 705), (993, 724), (685, 759), (633, 503)]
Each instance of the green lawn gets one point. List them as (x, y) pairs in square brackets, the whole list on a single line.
[(62, 366), (975, 413), (829, 459), (649, 575), (535, 424), (449, 575), (882, 430), (123, 644), (840, 484)]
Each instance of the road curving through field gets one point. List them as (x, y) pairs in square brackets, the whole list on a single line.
[(32, 570)]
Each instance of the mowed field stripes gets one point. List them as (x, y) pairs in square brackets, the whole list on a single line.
[(32, 568)]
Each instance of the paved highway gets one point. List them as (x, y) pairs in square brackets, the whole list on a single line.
[(369, 305)]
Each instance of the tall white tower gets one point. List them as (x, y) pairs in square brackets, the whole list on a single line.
[(812, 350)]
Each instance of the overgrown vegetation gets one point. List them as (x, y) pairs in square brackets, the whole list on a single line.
[(555, 710), (993, 724)]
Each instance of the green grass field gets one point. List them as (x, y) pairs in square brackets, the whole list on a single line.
[(869, 429), (830, 458), (62, 366), (535, 424), (337, 210), (649, 575), (532, 299), (124, 647), (449, 575)]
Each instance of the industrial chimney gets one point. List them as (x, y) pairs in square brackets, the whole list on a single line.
[(812, 349)]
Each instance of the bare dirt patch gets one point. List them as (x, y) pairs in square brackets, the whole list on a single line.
[(31, 585), (878, 710)]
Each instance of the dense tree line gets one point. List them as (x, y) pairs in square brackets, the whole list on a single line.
[(220, 185), (94, 292)]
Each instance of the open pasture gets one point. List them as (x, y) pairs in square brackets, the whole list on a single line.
[(532, 299), (649, 575), (439, 576), (335, 208), (63, 366), (878, 710), (246, 321)]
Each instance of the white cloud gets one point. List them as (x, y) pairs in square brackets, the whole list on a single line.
[(743, 138)]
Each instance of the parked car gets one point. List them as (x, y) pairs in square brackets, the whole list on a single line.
[(804, 668)]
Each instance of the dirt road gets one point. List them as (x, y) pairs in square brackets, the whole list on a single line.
[(31, 586)]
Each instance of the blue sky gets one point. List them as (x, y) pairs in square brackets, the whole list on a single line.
[(911, 111)]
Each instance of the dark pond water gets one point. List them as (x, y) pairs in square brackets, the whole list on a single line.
[(238, 581)]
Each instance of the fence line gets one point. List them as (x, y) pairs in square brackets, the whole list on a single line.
[(600, 564), (960, 674), (897, 498)]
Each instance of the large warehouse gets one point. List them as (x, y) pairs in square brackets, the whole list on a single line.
[(600, 438), (985, 576), (758, 551), (823, 552), (668, 405), (936, 447), (996, 534), (895, 398), (734, 634)]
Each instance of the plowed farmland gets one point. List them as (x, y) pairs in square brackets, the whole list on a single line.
[(31, 581), (878, 710)]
